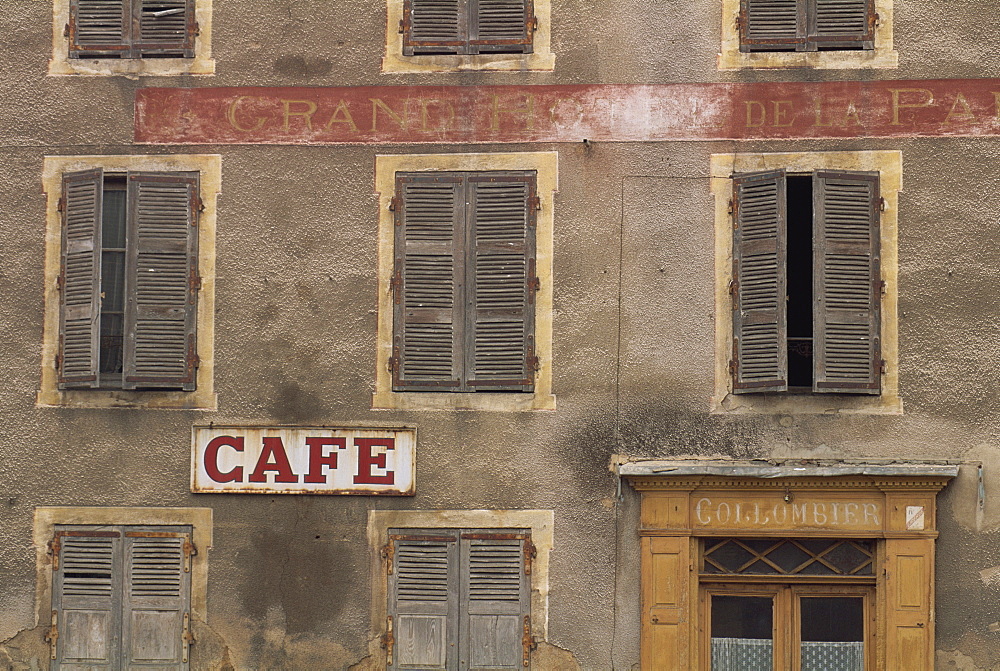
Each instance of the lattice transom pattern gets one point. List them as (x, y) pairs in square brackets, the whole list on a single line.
[(789, 556)]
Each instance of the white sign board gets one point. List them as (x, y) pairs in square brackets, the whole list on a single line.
[(303, 460)]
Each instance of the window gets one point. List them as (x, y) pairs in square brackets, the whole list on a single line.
[(464, 282), (806, 282), (121, 596), (806, 25), (459, 599), (129, 281), (131, 28)]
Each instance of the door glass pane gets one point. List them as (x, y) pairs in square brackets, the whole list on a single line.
[(833, 633), (742, 633)]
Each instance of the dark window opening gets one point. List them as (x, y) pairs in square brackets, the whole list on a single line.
[(113, 280), (799, 301)]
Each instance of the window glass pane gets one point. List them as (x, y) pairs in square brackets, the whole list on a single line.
[(832, 632), (742, 635), (113, 219)]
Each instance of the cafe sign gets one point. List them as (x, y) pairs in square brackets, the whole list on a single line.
[(303, 460)]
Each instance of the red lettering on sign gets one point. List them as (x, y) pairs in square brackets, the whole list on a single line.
[(273, 447), (212, 459), (317, 460), (367, 460)]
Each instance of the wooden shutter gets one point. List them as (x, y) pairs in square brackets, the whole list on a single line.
[(435, 26), (156, 600), (86, 599), (501, 26), (161, 279), (846, 283), (760, 348), (772, 25), (909, 604), (429, 289), (99, 28), (166, 27), (843, 23), (423, 600), (495, 600), (499, 344), (80, 279)]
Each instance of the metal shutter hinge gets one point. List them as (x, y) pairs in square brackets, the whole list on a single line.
[(401, 28), (54, 543), (882, 367), (534, 283), (386, 554), (52, 635), (197, 29), (60, 281), (189, 551), (59, 363), (881, 204), (186, 636), (194, 282), (729, 210), (732, 367), (878, 19), (533, 363), (536, 204), (65, 34), (61, 205), (530, 552), (388, 640), (528, 642), (396, 287), (393, 203), (881, 286), (734, 287), (200, 206), (533, 24), (393, 364)]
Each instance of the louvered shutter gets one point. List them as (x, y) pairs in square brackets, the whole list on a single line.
[(435, 26), (161, 277), (429, 289), (501, 26), (99, 28), (843, 23), (847, 283), (760, 348), (423, 600), (80, 300), (772, 25), (500, 316), (495, 600), (156, 600), (166, 27), (86, 599)]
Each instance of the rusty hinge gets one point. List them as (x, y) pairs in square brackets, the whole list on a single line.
[(393, 364), (59, 363), (386, 554), (197, 29), (396, 286), (189, 549), (61, 281), (54, 543), (388, 640), (530, 552), (394, 203), (881, 204), (401, 28), (187, 638), (732, 367), (731, 207), (532, 24), (196, 362), (200, 206), (61, 204), (878, 19), (536, 203), (532, 363), (882, 367), (194, 281), (527, 641), (881, 286), (734, 287), (534, 283), (52, 635), (65, 34)]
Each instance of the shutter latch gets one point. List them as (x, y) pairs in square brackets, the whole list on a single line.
[(187, 638), (528, 642), (386, 554), (52, 635), (529, 553), (189, 551), (388, 640)]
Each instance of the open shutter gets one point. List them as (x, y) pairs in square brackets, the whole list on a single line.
[(165, 28), (847, 286), (99, 28), (495, 600), (772, 25), (156, 599), (435, 26), (80, 280), (423, 600), (86, 599), (162, 279), (428, 282), (760, 347), (501, 26), (501, 279), (843, 23)]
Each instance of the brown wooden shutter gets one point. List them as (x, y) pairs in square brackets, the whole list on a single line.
[(429, 289), (99, 28), (760, 348), (423, 599), (772, 25), (843, 23), (80, 279), (435, 26), (156, 599), (501, 26), (165, 27), (495, 600), (847, 283), (86, 599), (161, 279), (909, 604), (499, 345)]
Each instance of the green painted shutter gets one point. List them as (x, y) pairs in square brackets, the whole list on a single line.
[(847, 283), (760, 347), (99, 28), (501, 26), (772, 25), (435, 26), (156, 602), (80, 279), (842, 24), (495, 600), (499, 345), (423, 599), (86, 599), (161, 280), (429, 289), (166, 28)]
